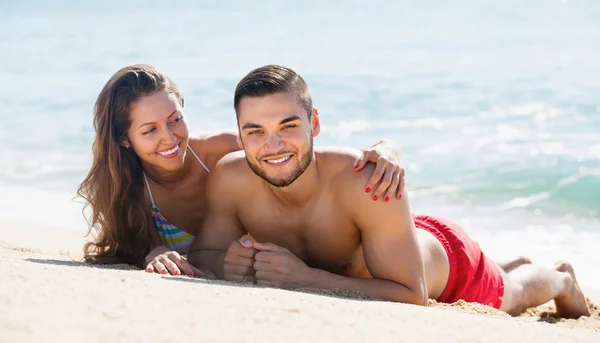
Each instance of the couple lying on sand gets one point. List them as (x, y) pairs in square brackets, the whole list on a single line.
[(280, 213)]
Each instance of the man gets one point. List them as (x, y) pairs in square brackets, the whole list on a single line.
[(284, 215)]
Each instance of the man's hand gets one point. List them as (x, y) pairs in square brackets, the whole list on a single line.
[(239, 260), (388, 172), (278, 267)]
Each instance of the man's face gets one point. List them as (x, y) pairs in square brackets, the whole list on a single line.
[(277, 136)]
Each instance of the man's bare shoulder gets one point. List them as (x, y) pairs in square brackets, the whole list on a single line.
[(231, 175), (233, 163), (339, 163), (337, 156)]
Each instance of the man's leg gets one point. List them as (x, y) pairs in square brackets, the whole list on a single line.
[(510, 265), (530, 285)]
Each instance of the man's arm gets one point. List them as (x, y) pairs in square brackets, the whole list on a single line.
[(391, 252), (221, 227), (389, 243)]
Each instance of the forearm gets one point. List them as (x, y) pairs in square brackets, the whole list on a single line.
[(211, 260), (376, 288)]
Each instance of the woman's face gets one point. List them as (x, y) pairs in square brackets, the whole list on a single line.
[(158, 133)]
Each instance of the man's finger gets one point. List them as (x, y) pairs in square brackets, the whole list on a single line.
[(268, 247), (238, 270), (264, 256), (264, 267), (238, 250), (238, 260), (265, 276), (246, 241), (197, 272)]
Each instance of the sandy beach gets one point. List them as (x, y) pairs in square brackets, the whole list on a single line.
[(46, 296)]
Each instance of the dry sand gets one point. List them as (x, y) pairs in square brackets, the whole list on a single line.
[(47, 297)]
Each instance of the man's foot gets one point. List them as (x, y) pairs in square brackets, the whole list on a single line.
[(572, 304), (511, 265)]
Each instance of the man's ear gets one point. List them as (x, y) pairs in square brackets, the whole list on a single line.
[(239, 141), (316, 124)]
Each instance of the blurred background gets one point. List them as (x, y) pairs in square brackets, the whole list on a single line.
[(496, 104)]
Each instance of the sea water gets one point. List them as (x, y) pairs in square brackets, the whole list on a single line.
[(496, 104)]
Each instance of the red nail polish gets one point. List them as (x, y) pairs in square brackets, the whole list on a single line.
[(163, 271), (176, 273), (375, 197), (149, 270), (400, 197), (356, 166), (387, 199), (190, 274), (368, 189)]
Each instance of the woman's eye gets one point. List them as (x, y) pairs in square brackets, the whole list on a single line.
[(178, 119), (149, 131)]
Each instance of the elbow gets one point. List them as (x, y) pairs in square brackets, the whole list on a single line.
[(415, 296), (422, 299), (418, 298), (420, 295)]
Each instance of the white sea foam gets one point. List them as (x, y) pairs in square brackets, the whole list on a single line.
[(345, 129), (537, 111), (28, 204), (526, 201)]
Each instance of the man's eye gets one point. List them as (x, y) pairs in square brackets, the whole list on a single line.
[(290, 126), (255, 132)]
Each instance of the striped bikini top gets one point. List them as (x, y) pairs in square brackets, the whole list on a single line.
[(171, 236)]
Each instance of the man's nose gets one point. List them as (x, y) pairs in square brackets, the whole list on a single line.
[(274, 142)]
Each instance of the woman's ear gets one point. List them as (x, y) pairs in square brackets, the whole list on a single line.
[(125, 143)]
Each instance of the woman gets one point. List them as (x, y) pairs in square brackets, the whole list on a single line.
[(146, 169)]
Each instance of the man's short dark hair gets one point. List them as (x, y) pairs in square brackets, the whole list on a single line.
[(272, 79)]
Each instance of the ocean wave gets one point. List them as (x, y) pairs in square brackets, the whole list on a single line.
[(345, 129), (538, 112), (579, 193)]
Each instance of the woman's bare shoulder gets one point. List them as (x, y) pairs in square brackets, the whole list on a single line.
[(212, 146)]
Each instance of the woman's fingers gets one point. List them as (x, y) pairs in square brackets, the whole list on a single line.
[(392, 190)]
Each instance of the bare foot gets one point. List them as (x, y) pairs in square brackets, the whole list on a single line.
[(511, 265), (572, 303)]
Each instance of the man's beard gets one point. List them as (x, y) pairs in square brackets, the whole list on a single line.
[(302, 166)]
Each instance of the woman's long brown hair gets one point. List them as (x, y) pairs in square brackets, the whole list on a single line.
[(114, 186)]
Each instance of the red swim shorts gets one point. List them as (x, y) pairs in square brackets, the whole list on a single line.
[(473, 277)]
